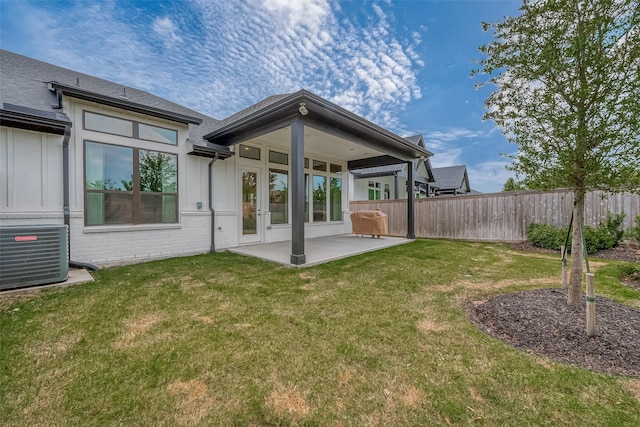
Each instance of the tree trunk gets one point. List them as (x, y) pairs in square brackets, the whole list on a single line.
[(574, 295)]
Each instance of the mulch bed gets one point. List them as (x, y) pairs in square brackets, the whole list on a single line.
[(542, 323)]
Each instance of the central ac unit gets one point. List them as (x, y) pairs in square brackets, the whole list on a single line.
[(33, 255)]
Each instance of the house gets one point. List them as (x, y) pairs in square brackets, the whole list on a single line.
[(451, 180), (390, 182), (137, 177)]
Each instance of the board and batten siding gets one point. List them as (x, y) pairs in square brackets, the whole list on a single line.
[(499, 216)]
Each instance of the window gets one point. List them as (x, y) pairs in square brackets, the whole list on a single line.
[(249, 152), (335, 199), (107, 124), (157, 134), (319, 198), (279, 158), (387, 192), (374, 190), (125, 185), (279, 196), (325, 186), (319, 166), (306, 197), (129, 128)]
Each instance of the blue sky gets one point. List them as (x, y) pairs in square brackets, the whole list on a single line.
[(401, 64)]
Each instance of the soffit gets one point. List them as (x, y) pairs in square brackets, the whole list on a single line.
[(318, 142)]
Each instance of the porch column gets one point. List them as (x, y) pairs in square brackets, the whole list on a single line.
[(410, 195), (297, 193), (396, 189)]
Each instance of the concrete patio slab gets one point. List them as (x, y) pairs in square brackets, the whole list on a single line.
[(320, 249), (75, 277)]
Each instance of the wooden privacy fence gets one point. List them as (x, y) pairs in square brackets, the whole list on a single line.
[(499, 216)]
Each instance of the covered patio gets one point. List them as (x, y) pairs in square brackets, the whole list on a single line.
[(320, 249), (303, 127)]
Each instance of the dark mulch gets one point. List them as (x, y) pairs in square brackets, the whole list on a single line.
[(540, 322)]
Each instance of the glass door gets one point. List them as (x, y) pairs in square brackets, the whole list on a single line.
[(251, 220)]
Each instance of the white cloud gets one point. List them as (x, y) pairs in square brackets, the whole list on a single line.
[(488, 176), (446, 157), (166, 29), (219, 57)]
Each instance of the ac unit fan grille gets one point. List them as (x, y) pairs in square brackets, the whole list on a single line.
[(32, 255)]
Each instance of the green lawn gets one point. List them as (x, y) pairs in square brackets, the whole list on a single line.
[(220, 339)]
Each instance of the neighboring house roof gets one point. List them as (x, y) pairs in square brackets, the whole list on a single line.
[(378, 171), (452, 178), (29, 91), (398, 168)]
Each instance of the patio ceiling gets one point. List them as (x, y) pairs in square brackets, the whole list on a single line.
[(320, 143)]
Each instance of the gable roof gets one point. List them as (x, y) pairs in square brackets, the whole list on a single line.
[(31, 90), (280, 111), (416, 139), (451, 177), (27, 83)]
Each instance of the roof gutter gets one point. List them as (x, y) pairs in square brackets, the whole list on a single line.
[(31, 119), (76, 92)]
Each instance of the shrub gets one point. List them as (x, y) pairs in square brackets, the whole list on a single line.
[(631, 269), (614, 224), (546, 236), (634, 232), (605, 235)]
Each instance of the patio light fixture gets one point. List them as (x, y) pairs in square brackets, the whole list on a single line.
[(303, 110)]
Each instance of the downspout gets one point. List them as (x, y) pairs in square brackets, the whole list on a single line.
[(65, 200), (213, 212)]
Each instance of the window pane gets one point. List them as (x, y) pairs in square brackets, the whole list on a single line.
[(277, 157), (158, 172), (319, 198), (333, 168), (95, 208), (306, 197), (109, 208), (319, 166), (108, 167), (158, 134), (278, 197), (306, 163), (158, 209), (249, 202), (335, 201), (249, 152), (107, 124)]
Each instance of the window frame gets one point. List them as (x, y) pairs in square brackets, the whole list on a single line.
[(311, 171), (135, 128), (136, 193)]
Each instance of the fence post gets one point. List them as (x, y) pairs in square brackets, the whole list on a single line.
[(591, 305), (564, 267)]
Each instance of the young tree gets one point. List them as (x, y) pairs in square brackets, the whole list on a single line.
[(567, 74)]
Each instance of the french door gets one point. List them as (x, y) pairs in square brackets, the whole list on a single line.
[(251, 222)]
